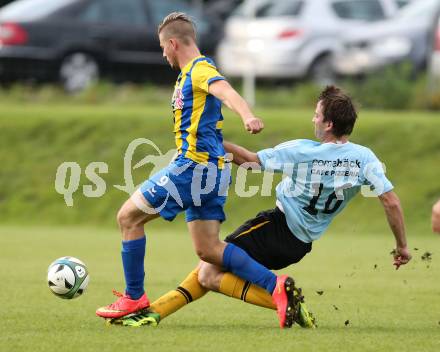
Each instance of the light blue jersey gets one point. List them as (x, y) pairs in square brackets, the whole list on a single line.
[(321, 178)]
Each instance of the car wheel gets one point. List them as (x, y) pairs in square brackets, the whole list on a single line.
[(77, 71), (322, 72)]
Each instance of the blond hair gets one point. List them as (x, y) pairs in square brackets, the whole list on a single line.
[(178, 25)]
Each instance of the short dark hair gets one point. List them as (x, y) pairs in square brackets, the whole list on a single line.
[(178, 25), (338, 108)]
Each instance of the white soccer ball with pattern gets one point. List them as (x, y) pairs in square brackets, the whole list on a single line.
[(67, 277)]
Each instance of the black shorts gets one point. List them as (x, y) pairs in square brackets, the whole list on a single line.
[(268, 240)]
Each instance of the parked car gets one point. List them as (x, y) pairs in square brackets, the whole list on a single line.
[(78, 41), (5, 2), (222, 8), (292, 38), (404, 38), (435, 53)]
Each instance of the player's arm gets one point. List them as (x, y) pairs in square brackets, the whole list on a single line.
[(240, 155), (394, 214), (229, 96), (436, 217)]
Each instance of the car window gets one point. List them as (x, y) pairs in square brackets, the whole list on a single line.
[(271, 8), (26, 10), (365, 10), (402, 3), (418, 9), (161, 8), (127, 12)]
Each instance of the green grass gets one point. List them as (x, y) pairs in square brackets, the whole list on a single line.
[(392, 89), (37, 138), (387, 310)]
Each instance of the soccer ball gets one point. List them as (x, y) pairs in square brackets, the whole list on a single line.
[(67, 277)]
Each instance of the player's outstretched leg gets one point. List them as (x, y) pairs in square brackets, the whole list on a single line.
[(233, 286), (188, 291), (287, 299)]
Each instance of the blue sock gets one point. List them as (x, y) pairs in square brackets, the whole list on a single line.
[(241, 264), (133, 253)]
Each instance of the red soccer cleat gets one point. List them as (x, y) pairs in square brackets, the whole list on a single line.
[(123, 306), (287, 298)]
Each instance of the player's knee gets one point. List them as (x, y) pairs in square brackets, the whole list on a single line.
[(209, 251), (125, 219), (210, 255), (204, 254), (121, 218)]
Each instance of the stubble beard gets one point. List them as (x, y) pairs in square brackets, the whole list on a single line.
[(174, 64)]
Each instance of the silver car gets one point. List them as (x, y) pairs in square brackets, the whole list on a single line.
[(435, 53), (293, 38), (406, 37)]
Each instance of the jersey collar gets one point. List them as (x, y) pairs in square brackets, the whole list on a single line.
[(188, 66)]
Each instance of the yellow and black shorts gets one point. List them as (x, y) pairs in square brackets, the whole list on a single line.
[(268, 240)]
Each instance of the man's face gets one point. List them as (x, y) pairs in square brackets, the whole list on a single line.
[(321, 127), (169, 47)]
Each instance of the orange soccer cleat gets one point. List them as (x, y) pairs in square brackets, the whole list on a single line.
[(123, 306), (287, 298)]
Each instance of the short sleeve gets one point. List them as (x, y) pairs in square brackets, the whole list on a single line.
[(277, 159), (203, 74), (374, 175)]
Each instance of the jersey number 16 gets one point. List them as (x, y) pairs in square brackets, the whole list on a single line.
[(311, 208)]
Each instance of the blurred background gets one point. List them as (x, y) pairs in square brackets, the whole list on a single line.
[(80, 79), (78, 43)]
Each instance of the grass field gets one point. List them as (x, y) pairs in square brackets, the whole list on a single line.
[(37, 138), (387, 310)]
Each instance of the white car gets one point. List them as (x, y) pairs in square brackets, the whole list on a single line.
[(403, 38), (293, 38), (435, 55)]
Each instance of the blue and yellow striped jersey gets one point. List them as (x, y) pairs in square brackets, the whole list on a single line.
[(197, 114)]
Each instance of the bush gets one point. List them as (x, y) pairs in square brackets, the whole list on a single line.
[(391, 88), (394, 88)]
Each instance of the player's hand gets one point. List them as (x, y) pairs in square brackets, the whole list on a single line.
[(254, 125), (401, 256)]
